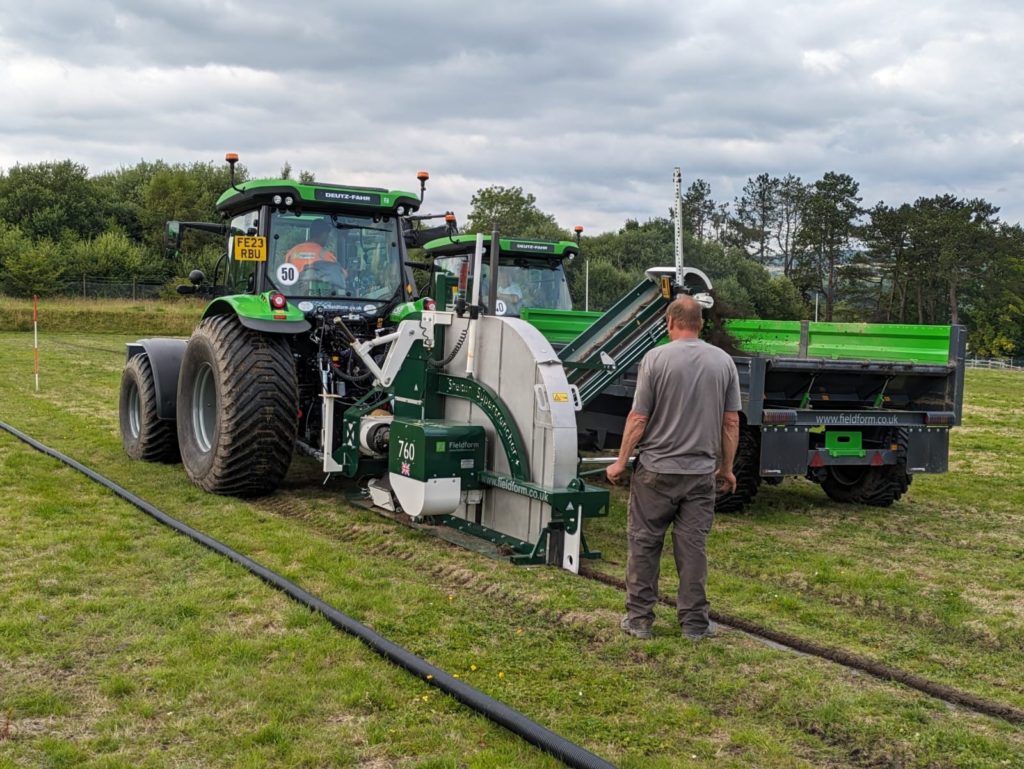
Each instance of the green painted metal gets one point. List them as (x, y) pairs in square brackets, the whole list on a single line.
[(255, 306), (323, 196), (782, 338), (559, 326), (843, 341), (844, 443), (408, 310), (507, 247), (495, 410), (426, 449)]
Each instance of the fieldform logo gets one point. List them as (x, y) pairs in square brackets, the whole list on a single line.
[(463, 445), (858, 419)]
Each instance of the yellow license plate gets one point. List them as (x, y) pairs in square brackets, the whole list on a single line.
[(249, 248)]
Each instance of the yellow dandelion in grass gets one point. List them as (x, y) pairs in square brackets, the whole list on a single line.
[(472, 667), (430, 677), (425, 698), (501, 674), (451, 597), (455, 675)]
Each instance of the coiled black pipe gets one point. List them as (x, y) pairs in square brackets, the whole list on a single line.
[(559, 747)]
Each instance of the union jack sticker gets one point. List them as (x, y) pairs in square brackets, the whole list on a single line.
[(406, 469)]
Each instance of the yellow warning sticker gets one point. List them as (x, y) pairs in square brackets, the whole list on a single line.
[(560, 397)]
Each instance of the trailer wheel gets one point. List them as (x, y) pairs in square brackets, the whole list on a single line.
[(747, 469), (143, 434), (237, 408), (875, 486)]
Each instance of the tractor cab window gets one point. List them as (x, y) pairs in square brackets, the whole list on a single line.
[(521, 285), (239, 277), (334, 255)]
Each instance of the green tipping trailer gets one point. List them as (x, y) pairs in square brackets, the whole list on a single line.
[(858, 408)]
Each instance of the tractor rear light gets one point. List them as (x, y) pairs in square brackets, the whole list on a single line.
[(278, 300), (429, 304), (943, 418), (778, 417), (277, 200), (288, 200)]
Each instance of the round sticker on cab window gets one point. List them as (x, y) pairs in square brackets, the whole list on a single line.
[(287, 274), (500, 308)]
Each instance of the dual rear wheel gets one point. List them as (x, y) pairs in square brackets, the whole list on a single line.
[(237, 409)]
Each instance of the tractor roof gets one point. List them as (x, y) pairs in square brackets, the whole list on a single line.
[(327, 197), (457, 245)]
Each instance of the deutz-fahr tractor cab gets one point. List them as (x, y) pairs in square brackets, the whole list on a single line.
[(530, 272), (309, 269)]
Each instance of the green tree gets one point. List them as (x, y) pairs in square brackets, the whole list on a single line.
[(791, 197), (829, 223), (698, 210), (122, 196), (51, 200), (34, 268), (514, 212), (110, 255), (757, 214)]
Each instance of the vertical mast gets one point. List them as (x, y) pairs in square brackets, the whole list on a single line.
[(677, 179)]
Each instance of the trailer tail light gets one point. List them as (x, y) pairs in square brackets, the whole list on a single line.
[(778, 417), (939, 418), (429, 304), (278, 300)]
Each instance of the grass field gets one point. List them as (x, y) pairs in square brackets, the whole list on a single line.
[(123, 644)]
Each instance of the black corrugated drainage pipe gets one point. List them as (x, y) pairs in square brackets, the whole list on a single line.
[(559, 747)]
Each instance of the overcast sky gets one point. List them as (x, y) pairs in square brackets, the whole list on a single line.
[(588, 105)]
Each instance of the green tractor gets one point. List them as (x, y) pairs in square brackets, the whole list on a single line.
[(307, 267)]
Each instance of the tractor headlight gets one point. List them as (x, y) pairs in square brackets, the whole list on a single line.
[(277, 200)]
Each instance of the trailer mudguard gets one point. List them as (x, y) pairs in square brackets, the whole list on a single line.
[(165, 359)]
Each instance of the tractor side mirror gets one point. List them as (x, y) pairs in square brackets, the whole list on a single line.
[(196, 277), (172, 239)]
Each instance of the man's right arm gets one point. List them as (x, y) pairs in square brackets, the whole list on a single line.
[(636, 424)]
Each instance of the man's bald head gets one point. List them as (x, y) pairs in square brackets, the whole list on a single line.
[(686, 314)]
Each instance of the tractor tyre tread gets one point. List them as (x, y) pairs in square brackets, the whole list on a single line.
[(747, 469), (257, 402), (157, 440)]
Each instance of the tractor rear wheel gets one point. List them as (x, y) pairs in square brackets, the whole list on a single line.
[(237, 408), (143, 434), (747, 469)]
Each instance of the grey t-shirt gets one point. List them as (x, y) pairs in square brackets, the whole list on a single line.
[(683, 388)]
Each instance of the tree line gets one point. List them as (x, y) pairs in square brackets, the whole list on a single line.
[(785, 246), (777, 250)]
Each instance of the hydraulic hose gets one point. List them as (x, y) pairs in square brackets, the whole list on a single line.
[(567, 752)]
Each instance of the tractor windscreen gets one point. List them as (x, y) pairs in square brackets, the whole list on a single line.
[(334, 255), (526, 284)]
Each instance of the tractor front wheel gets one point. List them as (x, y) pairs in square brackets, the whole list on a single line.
[(237, 408), (143, 434)]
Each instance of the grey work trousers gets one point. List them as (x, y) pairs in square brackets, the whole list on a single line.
[(687, 503)]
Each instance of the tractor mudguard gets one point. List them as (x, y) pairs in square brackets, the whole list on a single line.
[(255, 312), (165, 358)]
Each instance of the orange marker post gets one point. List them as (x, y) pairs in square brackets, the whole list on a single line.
[(35, 337)]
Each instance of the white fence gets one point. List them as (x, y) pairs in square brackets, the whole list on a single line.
[(1007, 364)]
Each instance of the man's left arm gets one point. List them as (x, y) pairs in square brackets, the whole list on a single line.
[(726, 481)]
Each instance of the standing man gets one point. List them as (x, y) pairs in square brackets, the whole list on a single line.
[(685, 425)]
